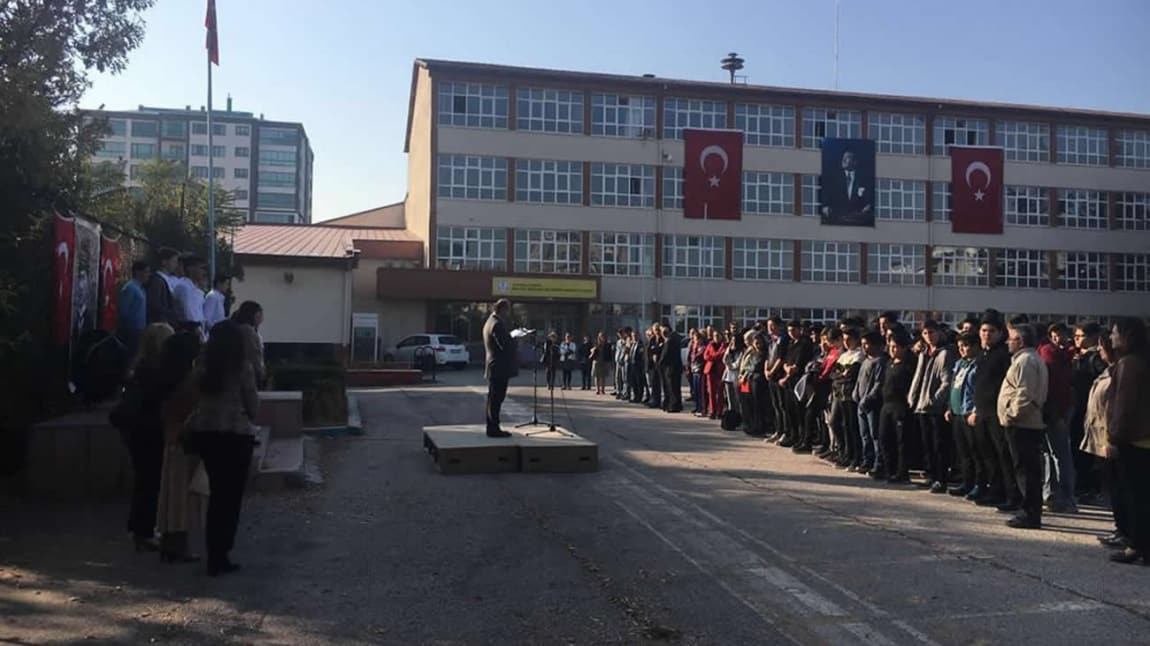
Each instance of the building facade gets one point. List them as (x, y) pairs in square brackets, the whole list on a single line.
[(266, 165)]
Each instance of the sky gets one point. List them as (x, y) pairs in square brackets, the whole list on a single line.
[(343, 67)]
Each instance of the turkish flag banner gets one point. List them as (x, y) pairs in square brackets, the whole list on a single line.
[(975, 189), (109, 270), (713, 174), (64, 252)]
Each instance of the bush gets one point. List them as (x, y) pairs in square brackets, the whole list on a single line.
[(324, 390)]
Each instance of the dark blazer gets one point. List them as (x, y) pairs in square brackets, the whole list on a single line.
[(861, 195), (672, 355), (499, 348), (161, 307)]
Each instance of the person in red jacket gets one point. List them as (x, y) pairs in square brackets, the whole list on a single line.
[(1059, 484), (713, 374)]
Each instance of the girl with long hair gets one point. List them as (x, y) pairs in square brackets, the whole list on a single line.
[(177, 509), (1128, 433), (250, 316)]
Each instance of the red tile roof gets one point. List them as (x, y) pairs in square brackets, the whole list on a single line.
[(309, 241)]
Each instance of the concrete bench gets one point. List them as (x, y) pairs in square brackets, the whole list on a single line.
[(282, 412), (77, 456)]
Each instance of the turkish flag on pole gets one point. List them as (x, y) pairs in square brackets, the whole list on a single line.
[(213, 42), (975, 190), (713, 174), (64, 252), (109, 270)]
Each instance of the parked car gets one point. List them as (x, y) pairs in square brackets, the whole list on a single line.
[(449, 350)]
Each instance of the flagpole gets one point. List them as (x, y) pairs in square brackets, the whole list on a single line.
[(211, 184)]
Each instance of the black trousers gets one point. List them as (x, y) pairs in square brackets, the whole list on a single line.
[(496, 393), (226, 458), (146, 448), (761, 421), (585, 376), (1004, 453), (656, 399), (848, 421), (1134, 471), (794, 412), (991, 467), (937, 446), (673, 389), (566, 377), (1087, 478), (778, 407), (747, 412), (638, 380), (1111, 478), (814, 424), (1026, 446), (894, 426), (967, 460)]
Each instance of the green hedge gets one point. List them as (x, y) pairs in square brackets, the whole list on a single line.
[(323, 387)]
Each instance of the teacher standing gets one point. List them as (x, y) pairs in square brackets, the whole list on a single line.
[(499, 366)]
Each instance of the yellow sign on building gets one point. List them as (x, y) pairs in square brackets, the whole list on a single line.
[(529, 287)]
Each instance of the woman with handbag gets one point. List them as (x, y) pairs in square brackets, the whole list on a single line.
[(178, 508)]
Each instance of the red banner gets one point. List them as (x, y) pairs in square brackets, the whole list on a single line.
[(64, 250), (713, 174), (975, 190), (109, 271)]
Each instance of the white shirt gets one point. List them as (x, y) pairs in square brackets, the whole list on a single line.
[(213, 309), (171, 280), (189, 301)]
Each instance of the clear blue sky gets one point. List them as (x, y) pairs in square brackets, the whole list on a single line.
[(343, 67)]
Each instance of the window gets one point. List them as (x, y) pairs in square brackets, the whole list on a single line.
[(819, 123), (217, 172), (615, 115), (1083, 145), (240, 194), (240, 173), (243, 151), (174, 129), (219, 151), (199, 150), (547, 110), (549, 182), (749, 316), (1082, 209), (117, 127), (275, 200), (1133, 272), (898, 134), (243, 131), (472, 178), (1027, 206), (951, 131), (543, 251), (760, 259), (1133, 211), (471, 248), (629, 185), (219, 129), (766, 125), (940, 201), (896, 264), (199, 128), (768, 193), (275, 218), (143, 151), (672, 187), (278, 136), (1082, 270), (200, 172), (1024, 141), (472, 105), (960, 267), (1023, 268), (175, 152), (901, 199), (1133, 148), (823, 316), (693, 256), (145, 128), (277, 158), (622, 254), (273, 179), (812, 194), (691, 113), (687, 317), (830, 262), (112, 149)]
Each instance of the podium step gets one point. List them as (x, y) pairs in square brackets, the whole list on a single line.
[(465, 448)]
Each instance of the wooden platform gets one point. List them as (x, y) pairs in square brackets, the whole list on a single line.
[(465, 448)]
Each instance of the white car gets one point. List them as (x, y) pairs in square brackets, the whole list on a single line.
[(449, 350)]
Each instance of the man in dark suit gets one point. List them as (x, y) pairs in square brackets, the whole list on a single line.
[(160, 303), (499, 366), (849, 192), (671, 366)]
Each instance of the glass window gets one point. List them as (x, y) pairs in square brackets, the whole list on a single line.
[(896, 264), (143, 151), (547, 110), (145, 128), (940, 201), (1023, 268), (812, 194), (1083, 145), (278, 180), (768, 193), (112, 149), (278, 136), (219, 151), (629, 185), (240, 173), (622, 254), (471, 248), (830, 262), (616, 115), (217, 172), (275, 200), (199, 150), (243, 151), (174, 129), (692, 113), (898, 134), (1024, 140), (1027, 206), (960, 267), (472, 105), (766, 125), (243, 131), (200, 172), (672, 187), (543, 251), (836, 124), (1082, 270), (1133, 272), (471, 177), (949, 131), (219, 129), (240, 194), (901, 199), (275, 218), (175, 152), (693, 256), (692, 317), (276, 158), (199, 128), (1133, 148), (1133, 211), (761, 259), (549, 182), (749, 316), (1082, 209), (117, 127)]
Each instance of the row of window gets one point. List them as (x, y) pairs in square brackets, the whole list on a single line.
[(764, 193), (685, 256), (478, 105), (171, 128)]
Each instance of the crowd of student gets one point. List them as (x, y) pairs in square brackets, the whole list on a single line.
[(187, 408), (1004, 414)]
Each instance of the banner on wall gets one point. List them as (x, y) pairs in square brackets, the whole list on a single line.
[(85, 280), (976, 189), (713, 174), (847, 196), (109, 271), (64, 250)]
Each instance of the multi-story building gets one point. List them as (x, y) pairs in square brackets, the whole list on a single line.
[(266, 165)]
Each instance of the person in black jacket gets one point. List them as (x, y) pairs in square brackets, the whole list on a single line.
[(800, 353), (160, 303), (989, 436), (894, 423), (654, 378), (1086, 365), (583, 353), (499, 365), (671, 366)]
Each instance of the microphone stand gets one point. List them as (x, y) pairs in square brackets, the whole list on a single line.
[(549, 357), (535, 397)]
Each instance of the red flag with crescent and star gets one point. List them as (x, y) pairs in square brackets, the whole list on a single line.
[(713, 174), (213, 40), (109, 271), (64, 258), (975, 189)]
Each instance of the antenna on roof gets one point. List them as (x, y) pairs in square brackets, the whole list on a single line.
[(732, 63)]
